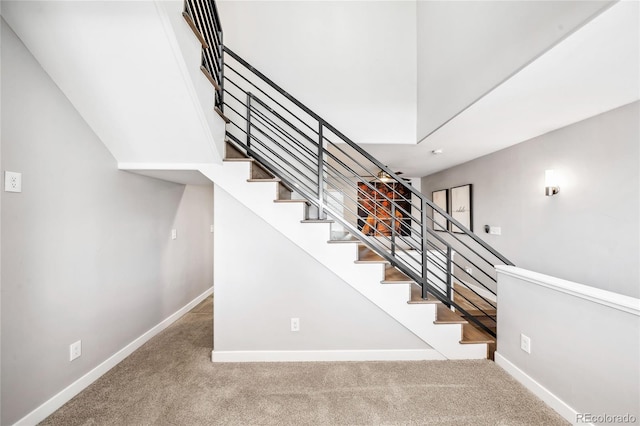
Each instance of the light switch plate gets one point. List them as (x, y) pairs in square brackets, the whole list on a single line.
[(12, 181)]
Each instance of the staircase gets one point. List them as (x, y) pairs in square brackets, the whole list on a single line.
[(394, 246)]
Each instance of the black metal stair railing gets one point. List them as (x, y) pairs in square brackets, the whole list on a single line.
[(202, 16), (341, 180)]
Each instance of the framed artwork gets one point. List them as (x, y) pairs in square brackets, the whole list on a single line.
[(374, 210), (441, 199), (461, 207)]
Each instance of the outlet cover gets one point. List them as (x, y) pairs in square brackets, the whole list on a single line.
[(525, 343), (174, 234), (75, 350), (295, 324), (12, 181), (495, 230)]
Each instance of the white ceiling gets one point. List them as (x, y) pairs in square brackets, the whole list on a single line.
[(594, 70)]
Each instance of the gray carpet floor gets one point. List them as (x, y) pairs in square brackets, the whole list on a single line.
[(172, 381)]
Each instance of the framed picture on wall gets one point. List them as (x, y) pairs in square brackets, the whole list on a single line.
[(461, 207), (441, 199)]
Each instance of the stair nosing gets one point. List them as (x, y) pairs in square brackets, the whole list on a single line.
[(238, 159), (291, 201), (475, 342), (397, 282), (263, 180)]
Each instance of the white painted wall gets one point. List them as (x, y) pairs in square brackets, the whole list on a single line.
[(589, 232), (585, 343), (191, 50), (466, 48), (87, 252), (353, 63), (262, 279), (123, 69)]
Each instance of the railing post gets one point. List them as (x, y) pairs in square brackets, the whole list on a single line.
[(221, 70), (249, 123), (424, 248), (393, 230), (321, 213), (449, 274)]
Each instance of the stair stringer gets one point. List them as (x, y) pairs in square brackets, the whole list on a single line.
[(340, 258)]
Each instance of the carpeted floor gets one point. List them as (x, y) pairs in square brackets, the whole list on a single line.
[(172, 381)]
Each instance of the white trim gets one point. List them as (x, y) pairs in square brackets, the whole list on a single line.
[(62, 397), (603, 297), (327, 355), (538, 390)]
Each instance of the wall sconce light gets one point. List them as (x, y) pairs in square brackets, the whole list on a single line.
[(551, 183), (384, 176)]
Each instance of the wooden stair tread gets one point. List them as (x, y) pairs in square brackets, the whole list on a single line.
[(263, 180), (445, 315), (232, 160), (466, 299), (284, 191), (416, 296), (471, 334), (259, 172), (232, 152), (197, 33), (344, 241), (296, 200), (365, 254), (210, 77), (221, 114), (317, 221), (392, 275)]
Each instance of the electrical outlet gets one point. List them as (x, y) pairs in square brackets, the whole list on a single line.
[(495, 230), (174, 234), (212, 229), (75, 350), (295, 324), (12, 181), (469, 271), (525, 343)]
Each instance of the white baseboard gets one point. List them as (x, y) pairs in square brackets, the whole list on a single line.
[(57, 401), (335, 355), (540, 391)]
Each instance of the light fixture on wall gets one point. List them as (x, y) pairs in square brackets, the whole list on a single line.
[(551, 183), (384, 176)]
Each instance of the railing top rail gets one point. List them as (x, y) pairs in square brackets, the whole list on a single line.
[(327, 125), (216, 16), (424, 201)]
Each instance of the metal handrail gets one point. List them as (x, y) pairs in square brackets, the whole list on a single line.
[(315, 158), (364, 153)]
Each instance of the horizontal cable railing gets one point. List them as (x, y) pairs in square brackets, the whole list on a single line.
[(368, 200)]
